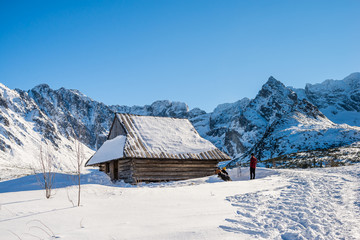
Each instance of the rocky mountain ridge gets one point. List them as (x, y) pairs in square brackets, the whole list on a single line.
[(339, 100), (279, 120), (24, 128)]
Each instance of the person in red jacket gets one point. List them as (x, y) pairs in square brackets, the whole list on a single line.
[(253, 162)]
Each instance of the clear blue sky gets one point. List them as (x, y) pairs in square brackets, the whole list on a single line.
[(200, 52)]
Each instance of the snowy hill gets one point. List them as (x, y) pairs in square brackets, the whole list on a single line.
[(279, 204), (279, 120)]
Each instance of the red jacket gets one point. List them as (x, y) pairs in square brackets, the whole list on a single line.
[(253, 162)]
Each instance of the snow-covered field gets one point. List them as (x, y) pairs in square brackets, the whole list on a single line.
[(279, 204)]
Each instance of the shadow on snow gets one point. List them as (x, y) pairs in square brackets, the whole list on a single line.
[(32, 182)]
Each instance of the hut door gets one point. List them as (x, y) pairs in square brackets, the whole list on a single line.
[(116, 170)]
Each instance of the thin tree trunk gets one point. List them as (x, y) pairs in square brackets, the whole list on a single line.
[(79, 175)]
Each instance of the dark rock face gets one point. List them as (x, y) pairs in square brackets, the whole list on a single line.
[(4, 147), (3, 102), (4, 121)]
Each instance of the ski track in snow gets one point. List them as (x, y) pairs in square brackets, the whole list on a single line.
[(315, 204)]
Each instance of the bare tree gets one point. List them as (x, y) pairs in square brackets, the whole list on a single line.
[(47, 174), (79, 163)]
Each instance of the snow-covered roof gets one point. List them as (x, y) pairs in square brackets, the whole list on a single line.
[(163, 138), (110, 150)]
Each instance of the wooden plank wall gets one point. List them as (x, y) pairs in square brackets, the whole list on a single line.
[(125, 170), (154, 170), (158, 170)]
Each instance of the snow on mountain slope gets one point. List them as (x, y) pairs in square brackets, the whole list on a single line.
[(297, 133), (273, 102), (339, 100), (74, 113), (24, 127), (219, 126), (281, 123)]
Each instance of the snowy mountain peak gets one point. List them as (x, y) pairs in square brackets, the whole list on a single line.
[(350, 82), (41, 87), (272, 79), (274, 98), (73, 92), (273, 88), (353, 80), (236, 107), (167, 108), (355, 76), (273, 82)]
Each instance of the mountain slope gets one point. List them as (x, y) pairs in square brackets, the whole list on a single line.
[(74, 113), (24, 128), (339, 100), (282, 123)]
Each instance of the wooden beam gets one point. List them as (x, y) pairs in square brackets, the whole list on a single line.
[(174, 169), (187, 174), (172, 161), (162, 179)]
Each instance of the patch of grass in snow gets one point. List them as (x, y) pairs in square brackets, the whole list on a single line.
[(333, 157)]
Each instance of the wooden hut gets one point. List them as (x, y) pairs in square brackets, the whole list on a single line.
[(152, 149)]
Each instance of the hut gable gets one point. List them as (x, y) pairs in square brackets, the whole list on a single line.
[(116, 129)]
